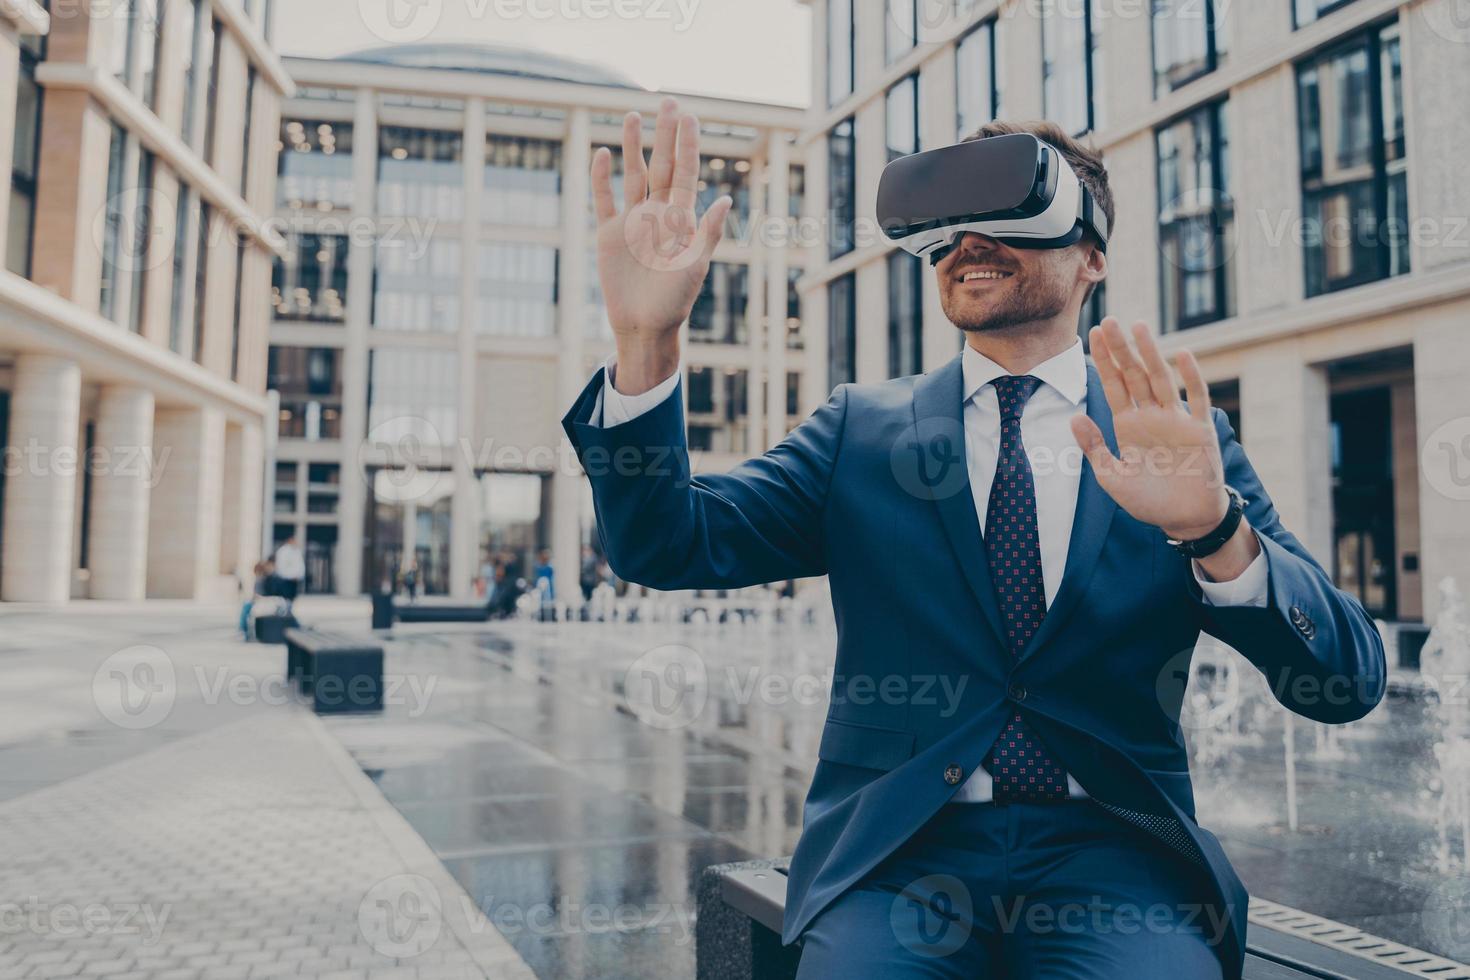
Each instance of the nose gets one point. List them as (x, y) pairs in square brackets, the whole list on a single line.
[(974, 242)]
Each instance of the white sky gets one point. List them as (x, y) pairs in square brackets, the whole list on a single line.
[(749, 49)]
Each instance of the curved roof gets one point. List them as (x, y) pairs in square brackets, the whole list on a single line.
[(496, 59)]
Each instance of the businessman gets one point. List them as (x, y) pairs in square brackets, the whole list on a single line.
[(1055, 531)]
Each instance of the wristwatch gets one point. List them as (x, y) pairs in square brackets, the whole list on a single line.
[(1209, 544)]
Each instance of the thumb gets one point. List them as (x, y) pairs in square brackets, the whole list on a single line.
[(712, 225), (1090, 438)]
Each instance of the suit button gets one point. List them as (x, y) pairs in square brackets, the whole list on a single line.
[(1017, 692), (953, 774), (1303, 622)]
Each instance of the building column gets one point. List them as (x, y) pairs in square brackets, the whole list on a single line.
[(352, 504), (40, 483), (755, 315), (184, 516), (1285, 414), (778, 169), (567, 480), (464, 520), (118, 550), (1441, 365), (240, 508), (9, 82)]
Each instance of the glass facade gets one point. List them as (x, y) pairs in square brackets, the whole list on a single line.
[(201, 278), (719, 176), (522, 181), (1070, 66), (718, 316), (140, 254), (515, 510), (900, 29), (310, 283), (315, 169), (1306, 11), (905, 314), (25, 159), (1354, 162), (841, 189), (408, 527), (420, 173), (309, 380), (977, 80), (416, 285), (1188, 41), (1196, 219), (413, 395), (841, 51), (112, 227), (718, 409), (517, 290), (902, 129), (842, 330)]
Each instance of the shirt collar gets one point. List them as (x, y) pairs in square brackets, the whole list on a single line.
[(1065, 372)]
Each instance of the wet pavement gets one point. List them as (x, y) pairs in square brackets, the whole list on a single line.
[(576, 778)]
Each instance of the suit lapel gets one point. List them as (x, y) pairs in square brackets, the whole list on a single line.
[(939, 447), (1090, 526)]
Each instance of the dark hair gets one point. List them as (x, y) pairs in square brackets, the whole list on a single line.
[(1084, 160)]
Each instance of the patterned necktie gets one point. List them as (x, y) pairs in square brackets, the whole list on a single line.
[(1019, 764)]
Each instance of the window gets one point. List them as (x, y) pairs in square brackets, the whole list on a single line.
[(413, 395), (718, 409), (905, 314), (517, 290), (315, 167), (842, 330), (1195, 219), (522, 181), (514, 525), (215, 40), (793, 310), (25, 159), (416, 285), (1306, 11), (1071, 65), (201, 279), (420, 173), (197, 63), (138, 26), (250, 77), (184, 213), (309, 380), (112, 228), (1188, 41), (1354, 163), (718, 316), (797, 187), (310, 283), (719, 176), (841, 192), (840, 51), (141, 253), (242, 250), (900, 29), (124, 25), (977, 80), (903, 118)]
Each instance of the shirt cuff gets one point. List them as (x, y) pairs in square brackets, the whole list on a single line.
[(1246, 589), (614, 408)]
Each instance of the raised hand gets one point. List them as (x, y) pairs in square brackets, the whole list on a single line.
[(1168, 471), (653, 256)]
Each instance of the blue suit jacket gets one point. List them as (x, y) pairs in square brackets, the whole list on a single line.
[(873, 491)]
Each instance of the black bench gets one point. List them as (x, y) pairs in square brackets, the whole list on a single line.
[(340, 673), (738, 936), (272, 627), (387, 610)]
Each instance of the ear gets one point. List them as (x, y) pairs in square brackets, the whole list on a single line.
[(1094, 264)]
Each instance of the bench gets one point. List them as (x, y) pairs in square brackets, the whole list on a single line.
[(271, 627), (740, 907), (387, 610), (338, 672)]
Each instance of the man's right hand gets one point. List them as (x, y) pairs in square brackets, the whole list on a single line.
[(653, 257)]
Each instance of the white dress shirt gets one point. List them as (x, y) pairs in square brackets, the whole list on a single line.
[(1056, 467)]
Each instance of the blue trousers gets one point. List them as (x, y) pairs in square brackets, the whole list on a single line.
[(1055, 891)]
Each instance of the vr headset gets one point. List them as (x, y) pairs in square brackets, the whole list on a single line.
[(1013, 188)]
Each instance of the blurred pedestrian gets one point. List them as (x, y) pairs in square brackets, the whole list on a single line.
[(260, 587), (290, 571)]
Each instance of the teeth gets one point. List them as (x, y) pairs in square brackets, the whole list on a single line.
[(985, 275)]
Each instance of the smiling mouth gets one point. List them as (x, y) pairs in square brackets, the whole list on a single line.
[(981, 275)]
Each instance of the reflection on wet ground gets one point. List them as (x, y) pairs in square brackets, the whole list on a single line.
[(580, 818)]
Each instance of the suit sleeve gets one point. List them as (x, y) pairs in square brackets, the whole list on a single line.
[(1320, 652), (666, 529)]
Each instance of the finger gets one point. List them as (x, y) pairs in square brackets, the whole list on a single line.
[(1090, 439), (1195, 388), (685, 188), (1134, 376), (1107, 369), (1160, 376), (712, 226), (602, 192), (635, 171), (661, 166)]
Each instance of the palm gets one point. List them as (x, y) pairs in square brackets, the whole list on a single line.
[(653, 255), (1167, 471)]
